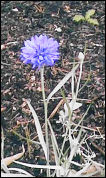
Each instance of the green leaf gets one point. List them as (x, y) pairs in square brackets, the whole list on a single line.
[(93, 21), (78, 18), (89, 13)]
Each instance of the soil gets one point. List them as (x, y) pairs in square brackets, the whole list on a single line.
[(19, 21)]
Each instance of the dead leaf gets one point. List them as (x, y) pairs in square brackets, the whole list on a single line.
[(10, 159), (67, 8), (39, 8), (92, 168)]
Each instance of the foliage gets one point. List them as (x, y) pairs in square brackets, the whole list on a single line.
[(89, 13)]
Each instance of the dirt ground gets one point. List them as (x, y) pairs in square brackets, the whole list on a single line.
[(19, 21)]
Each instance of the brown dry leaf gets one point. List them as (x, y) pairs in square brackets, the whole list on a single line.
[(10, 159), (39, 8), (67, 8), (91, 169)]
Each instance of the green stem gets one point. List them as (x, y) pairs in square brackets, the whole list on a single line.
[(45, 111)]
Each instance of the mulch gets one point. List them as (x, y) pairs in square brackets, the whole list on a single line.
[(19, 21)]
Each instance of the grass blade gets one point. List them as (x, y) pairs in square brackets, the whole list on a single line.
[(61, 83), (38, 128), (39, 166)]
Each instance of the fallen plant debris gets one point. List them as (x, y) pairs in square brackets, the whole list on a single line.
[(8, 160)]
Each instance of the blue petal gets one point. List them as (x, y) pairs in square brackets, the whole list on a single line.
[(39, 51)]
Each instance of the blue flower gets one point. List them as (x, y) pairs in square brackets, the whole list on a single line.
[(40, 51)]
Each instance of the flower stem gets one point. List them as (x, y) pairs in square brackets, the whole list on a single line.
[(45, 111)]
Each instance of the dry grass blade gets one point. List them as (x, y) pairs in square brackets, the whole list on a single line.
[(38, 128), (7, 161), (53, 138), (13, 175), (40, 166), (21, 171), (61, 83)]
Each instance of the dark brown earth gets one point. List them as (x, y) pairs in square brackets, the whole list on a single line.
[(19, 81)]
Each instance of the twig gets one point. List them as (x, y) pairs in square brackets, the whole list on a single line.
[(5, 64), (12, 42), (56, 108), (97, 147)]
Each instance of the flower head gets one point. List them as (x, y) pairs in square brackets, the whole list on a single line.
[(40, 51), (81, 56)]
